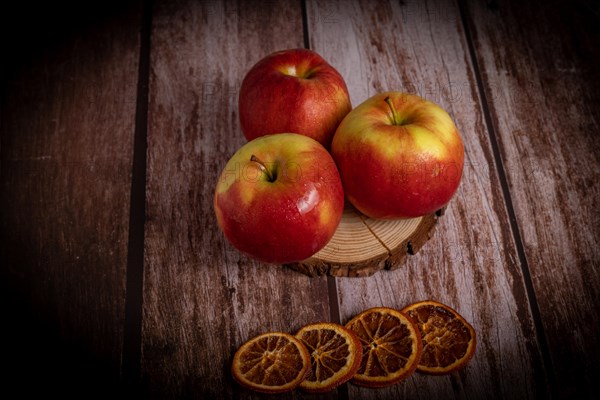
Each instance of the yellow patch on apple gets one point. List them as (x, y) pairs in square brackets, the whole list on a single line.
[(325, 214), (427, 141)]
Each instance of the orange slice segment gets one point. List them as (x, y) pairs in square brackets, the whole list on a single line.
[(273, 362), (391, 346), (448, 339), (335, 355)]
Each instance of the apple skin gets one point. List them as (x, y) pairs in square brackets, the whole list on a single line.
[(286, 220), (405, 170), (293, 90)]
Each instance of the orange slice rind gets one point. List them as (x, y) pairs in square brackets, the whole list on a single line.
[(391, 346), (449, 341), (273, 362), (335, 354)]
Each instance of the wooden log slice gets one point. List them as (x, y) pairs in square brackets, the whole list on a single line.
[(362, 246)]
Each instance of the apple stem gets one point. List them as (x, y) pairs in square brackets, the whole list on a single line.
[(392, 109), (262, 167)]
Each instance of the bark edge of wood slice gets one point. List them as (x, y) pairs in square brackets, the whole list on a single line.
[(362, 246)]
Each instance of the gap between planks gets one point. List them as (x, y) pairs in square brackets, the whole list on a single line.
[(132, 336), (514, 226)]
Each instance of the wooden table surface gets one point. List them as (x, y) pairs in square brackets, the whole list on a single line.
[(116, 122)]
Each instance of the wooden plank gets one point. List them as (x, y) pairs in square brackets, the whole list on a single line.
[(67, 121), (202, 298), (471, 263), (543, 88)]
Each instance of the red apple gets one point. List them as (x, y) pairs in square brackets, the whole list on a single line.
[(293, 91), (399, 156), (279, 198)]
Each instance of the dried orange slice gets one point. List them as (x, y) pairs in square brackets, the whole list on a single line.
[(335, 355), (391, 346), (273, 362), (448, 340)]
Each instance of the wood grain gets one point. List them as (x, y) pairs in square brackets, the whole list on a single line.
[(362, 246), (542, 84), (202, 298), (471, 263), (67, 121)]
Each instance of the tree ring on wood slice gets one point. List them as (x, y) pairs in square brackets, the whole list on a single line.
[(362, 246)]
